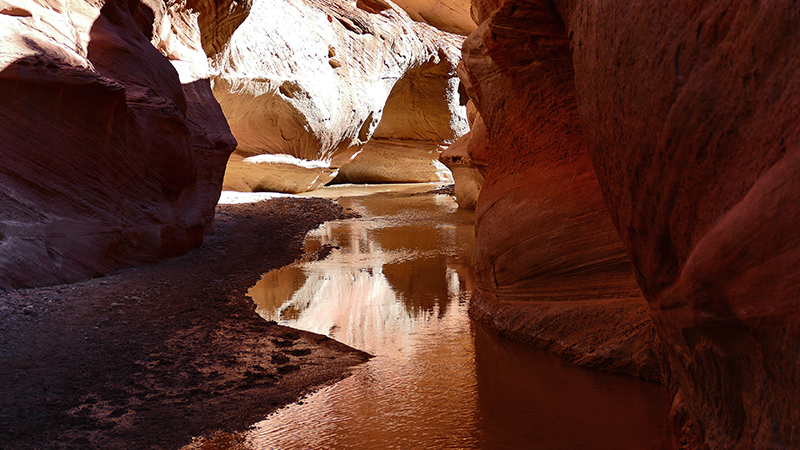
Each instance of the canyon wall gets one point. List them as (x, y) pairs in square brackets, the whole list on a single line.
[(452, 16), (669, 133), (112, 155), (551, 268), (468, 179), (305, 84)]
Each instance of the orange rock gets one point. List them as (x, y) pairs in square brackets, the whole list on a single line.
[(448, 15)]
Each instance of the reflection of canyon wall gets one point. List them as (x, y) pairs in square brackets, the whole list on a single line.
[(110, 156), (410, 257), (684, 116), (311, 82)]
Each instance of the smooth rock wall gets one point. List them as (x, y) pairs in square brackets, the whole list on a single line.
[(315, 80), (551, 268), (688, 117), (695, 138), (452, 16), (110, 158)]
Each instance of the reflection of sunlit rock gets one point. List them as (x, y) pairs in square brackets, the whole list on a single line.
[(424, 388), (275, 287), (357, 306), (423, 283), (380, 281)]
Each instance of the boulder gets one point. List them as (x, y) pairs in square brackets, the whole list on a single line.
[(111, 156), (396, 161), (317, 80), (683, 115)]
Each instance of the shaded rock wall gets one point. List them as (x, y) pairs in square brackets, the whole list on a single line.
[(313, 80), (551, 267), (688, 116), (701, 178), (110, 158)]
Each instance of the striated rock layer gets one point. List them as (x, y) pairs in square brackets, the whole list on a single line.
[(317, 80), (111, 156), (684, 116), (551, 268)]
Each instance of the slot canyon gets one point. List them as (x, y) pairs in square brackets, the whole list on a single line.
[(214, 212)]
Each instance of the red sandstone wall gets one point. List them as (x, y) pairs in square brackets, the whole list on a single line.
[(689, 113), (108, 159), (551, 267)]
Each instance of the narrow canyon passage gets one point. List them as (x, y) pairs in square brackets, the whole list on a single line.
[(633, 167), (397, 283)]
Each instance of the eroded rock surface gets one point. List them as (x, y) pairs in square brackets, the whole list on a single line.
[(448, 15), (547, 249), (683, 115), (317, 80), (110, 157), (466, 175)]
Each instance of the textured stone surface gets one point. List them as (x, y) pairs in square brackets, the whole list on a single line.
[(701, 175), (689, 116), (396, 161), (110, 158), (448, 15), (316, 80), (466, 175), (275, 173), (547, 251)]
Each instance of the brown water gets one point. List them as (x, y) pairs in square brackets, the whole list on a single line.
[(398, 285)]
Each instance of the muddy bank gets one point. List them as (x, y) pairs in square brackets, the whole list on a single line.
[(151, 356)]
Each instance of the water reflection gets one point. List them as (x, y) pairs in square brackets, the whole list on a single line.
[(397, 284), (528, 395), (388, 273)]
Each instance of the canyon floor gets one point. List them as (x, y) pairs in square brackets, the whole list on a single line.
[(148, 357)]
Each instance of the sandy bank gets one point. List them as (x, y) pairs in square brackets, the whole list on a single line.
[(151, 356)]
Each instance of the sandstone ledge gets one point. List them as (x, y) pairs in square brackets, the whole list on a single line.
[(616, 336)]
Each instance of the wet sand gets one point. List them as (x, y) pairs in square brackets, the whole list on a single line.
[(146, 358)]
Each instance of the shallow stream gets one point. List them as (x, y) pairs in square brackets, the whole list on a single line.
[(397, 284)]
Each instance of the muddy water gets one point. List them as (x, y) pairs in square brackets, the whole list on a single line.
[(397, 284)]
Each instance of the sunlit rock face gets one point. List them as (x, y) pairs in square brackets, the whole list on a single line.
[(396, 161), (317, 80), (467, 177), (448, 15), (688, 113), (112, 156)]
